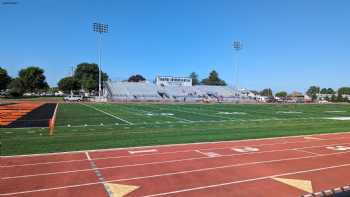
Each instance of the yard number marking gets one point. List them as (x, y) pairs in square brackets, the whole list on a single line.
[(338, 148), (245, 149)]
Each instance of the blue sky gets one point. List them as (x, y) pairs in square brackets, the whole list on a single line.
[(288, 44)]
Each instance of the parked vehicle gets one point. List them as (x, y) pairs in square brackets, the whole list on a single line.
[(73, 98)]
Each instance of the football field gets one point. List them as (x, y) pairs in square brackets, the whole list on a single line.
[(86, 126)]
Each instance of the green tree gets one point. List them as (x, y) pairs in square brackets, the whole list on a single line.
[(281, 94), (266, 92), (69, 83), (313, 91), (333, 98), (194, 77), (136, 78), (344, 90), (213, 79), (16, 87), (324, 91), (330, 91), (33, 79), (5, 79), (87, 74)]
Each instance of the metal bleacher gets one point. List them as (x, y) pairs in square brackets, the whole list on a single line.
[(145, 91)]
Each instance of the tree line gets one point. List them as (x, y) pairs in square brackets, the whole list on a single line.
[(314, 92), (212, 79), (33, 80), (30, 79)]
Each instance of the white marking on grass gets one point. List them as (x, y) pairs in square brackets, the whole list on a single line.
[(116, 117), (231, 113), (289, 112), (335, 111), (338, 118), (143, 151)]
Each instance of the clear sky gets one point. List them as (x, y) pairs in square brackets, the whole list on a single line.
[(288, 44)]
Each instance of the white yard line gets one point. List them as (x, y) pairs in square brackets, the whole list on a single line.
[(199, 170), (206, 156), (144, 111), (116, 117)]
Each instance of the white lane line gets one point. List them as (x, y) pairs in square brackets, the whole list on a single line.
[(143, 151), (249, 180), (160, 153), (114, 116), (190, 171), (309, 152), (184, 151), (169, 161), (176, 145), (88, 156)]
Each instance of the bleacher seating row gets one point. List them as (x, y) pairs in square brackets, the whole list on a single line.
[(145, 91)]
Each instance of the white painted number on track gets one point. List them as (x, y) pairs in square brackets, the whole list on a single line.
[(338, 148), (245, 149), (143, 151), (209, 154)]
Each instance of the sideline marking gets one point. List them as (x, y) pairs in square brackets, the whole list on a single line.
[(143, 151), (119, 190), (116, 117), (304, 185)]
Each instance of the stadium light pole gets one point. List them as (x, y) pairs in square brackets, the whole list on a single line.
[(100, 29), (237, 45)]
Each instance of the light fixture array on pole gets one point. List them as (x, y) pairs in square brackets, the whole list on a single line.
[(237, 45), (100, 29)]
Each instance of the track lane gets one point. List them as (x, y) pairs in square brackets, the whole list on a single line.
[(321, 180), (84, 176), (164, 184), (101, 154), (166, 159)]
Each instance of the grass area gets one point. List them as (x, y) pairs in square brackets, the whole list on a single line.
[(97, 126)]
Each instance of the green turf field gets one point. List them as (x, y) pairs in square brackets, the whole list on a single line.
[(97, 126)]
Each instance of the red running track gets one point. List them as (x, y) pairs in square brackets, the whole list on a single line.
[(233, 168)]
